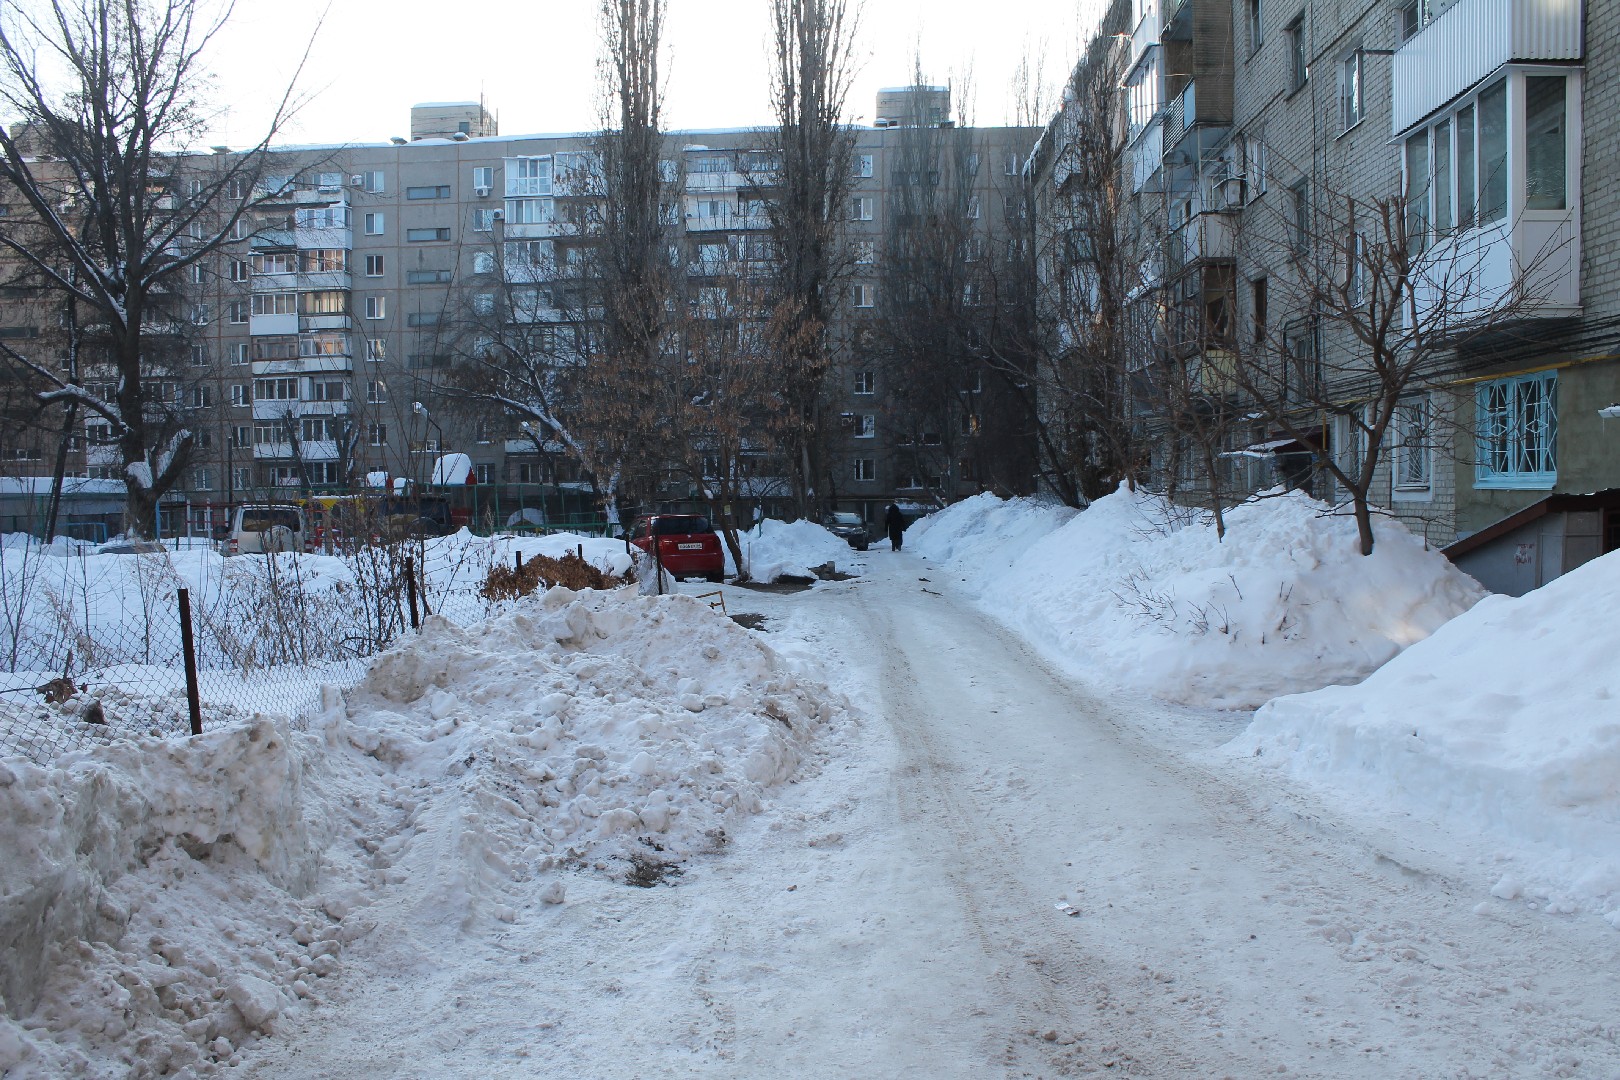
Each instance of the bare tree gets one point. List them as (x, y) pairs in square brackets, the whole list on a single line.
[(109, 95), (1381, 299), (812, 146)]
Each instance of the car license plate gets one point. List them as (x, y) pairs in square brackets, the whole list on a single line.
[(688, 547)]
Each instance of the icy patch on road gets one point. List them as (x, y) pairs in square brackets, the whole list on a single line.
[(164, 903), (1505, 724), (1136, 591)]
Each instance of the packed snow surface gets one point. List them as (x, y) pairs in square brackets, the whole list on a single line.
[(162, 903), (1504, 723), (1138, 592), (778, 549)]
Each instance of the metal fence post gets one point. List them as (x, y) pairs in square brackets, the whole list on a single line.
[(410, 591), (188, 646), (519, 556)]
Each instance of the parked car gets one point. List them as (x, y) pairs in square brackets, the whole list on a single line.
[(687, 545), (849, 527), (257, 528)]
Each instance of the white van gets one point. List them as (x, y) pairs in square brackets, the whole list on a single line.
[(257, 528)]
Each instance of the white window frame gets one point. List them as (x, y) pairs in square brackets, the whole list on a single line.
[(865, 426), (864, 296), (1411, 457), (375, 265), (863, 208), (864, 470), (376, 223), (1352, 88), (376, 307), (863, 165), (865, 383)]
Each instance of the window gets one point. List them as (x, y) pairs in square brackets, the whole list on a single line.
[(865, 382), (1517, 432), (323, 261), (1443, 210), (240, 228), (865, 426), (427, 277), (194, 273), (483, 473), (274, 262), (1493, 181), (199, 356), (375, 182), (865, 295), (374, 266), (240, 353), (326, 302), (530, 212), (1411, 19), (1417, 193), (1258, 308), (483, 303), (483, 176), (1298, 72), (418, 236), (440, 191), (376, 349), (528, 176), (863, 165), (1010, 166), (242, 436), (1352, 100), (276, 303), (239, 394), (376, 307), (200, 396), (973, 207), (322, 217), (242, 478), (328, 390), (862, 208), (422, 318), (237, 311), (864, 469), (319, 428), (1546, 141), (483, 262), (376, 434), (864, 251), (1411, 457), (1256, 25), (202, 479), (484, 220), (239, 270), (1258, 166), (376, 391), (275, 390), (374, 224)]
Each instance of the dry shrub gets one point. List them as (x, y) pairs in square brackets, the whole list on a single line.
[(571, 572)]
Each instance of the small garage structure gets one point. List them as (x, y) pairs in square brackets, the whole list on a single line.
[(1544, 540)]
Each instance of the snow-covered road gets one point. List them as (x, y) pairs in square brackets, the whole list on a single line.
[(995, 873)]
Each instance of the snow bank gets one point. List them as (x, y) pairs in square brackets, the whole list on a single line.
[(1505, 723), (778, 549), (1137, 592), (164, 902)]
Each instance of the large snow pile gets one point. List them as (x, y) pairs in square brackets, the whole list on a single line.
[(777, 549), (1505, 724), (1136, 591), (162, 902)]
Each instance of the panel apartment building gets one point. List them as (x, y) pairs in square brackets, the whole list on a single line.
[(317, 338), (1256, 129)]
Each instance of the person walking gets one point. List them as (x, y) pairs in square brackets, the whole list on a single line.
[(895, 522)]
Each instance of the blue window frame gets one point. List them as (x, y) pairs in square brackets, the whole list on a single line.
[(1516, 432)]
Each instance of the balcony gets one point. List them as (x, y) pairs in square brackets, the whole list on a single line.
[(313, 450), (1502, 273), (1472, 39), (309, 239), (1147, 159), (1206, 238), (281, 408), (1146, 35), (716, 181), (273, 240), (304, 365), (324, 280), (324, 322), (728, 218), (274, 282), (273, 324)]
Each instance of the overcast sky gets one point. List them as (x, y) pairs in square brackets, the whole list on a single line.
[(535, 62)]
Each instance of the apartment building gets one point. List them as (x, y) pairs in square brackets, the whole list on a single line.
[(319, 342), (1257, 131)]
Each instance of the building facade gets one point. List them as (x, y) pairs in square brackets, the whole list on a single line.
[(319, 342)]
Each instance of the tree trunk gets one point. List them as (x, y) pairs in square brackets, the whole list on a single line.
[(59, 471)]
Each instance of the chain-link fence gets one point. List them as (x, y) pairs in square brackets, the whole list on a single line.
[(92, 647)]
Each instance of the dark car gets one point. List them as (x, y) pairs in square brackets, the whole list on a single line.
[(687, 545), (849, 527)]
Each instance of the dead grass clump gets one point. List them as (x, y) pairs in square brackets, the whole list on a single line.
[(571, 572)]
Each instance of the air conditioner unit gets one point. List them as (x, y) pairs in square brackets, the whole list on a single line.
[(498, 215), (357, 180), (481, 191)]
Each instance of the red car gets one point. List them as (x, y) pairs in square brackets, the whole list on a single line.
[(687, 545)]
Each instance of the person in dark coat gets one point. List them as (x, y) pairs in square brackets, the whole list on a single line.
[(895, 522)]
